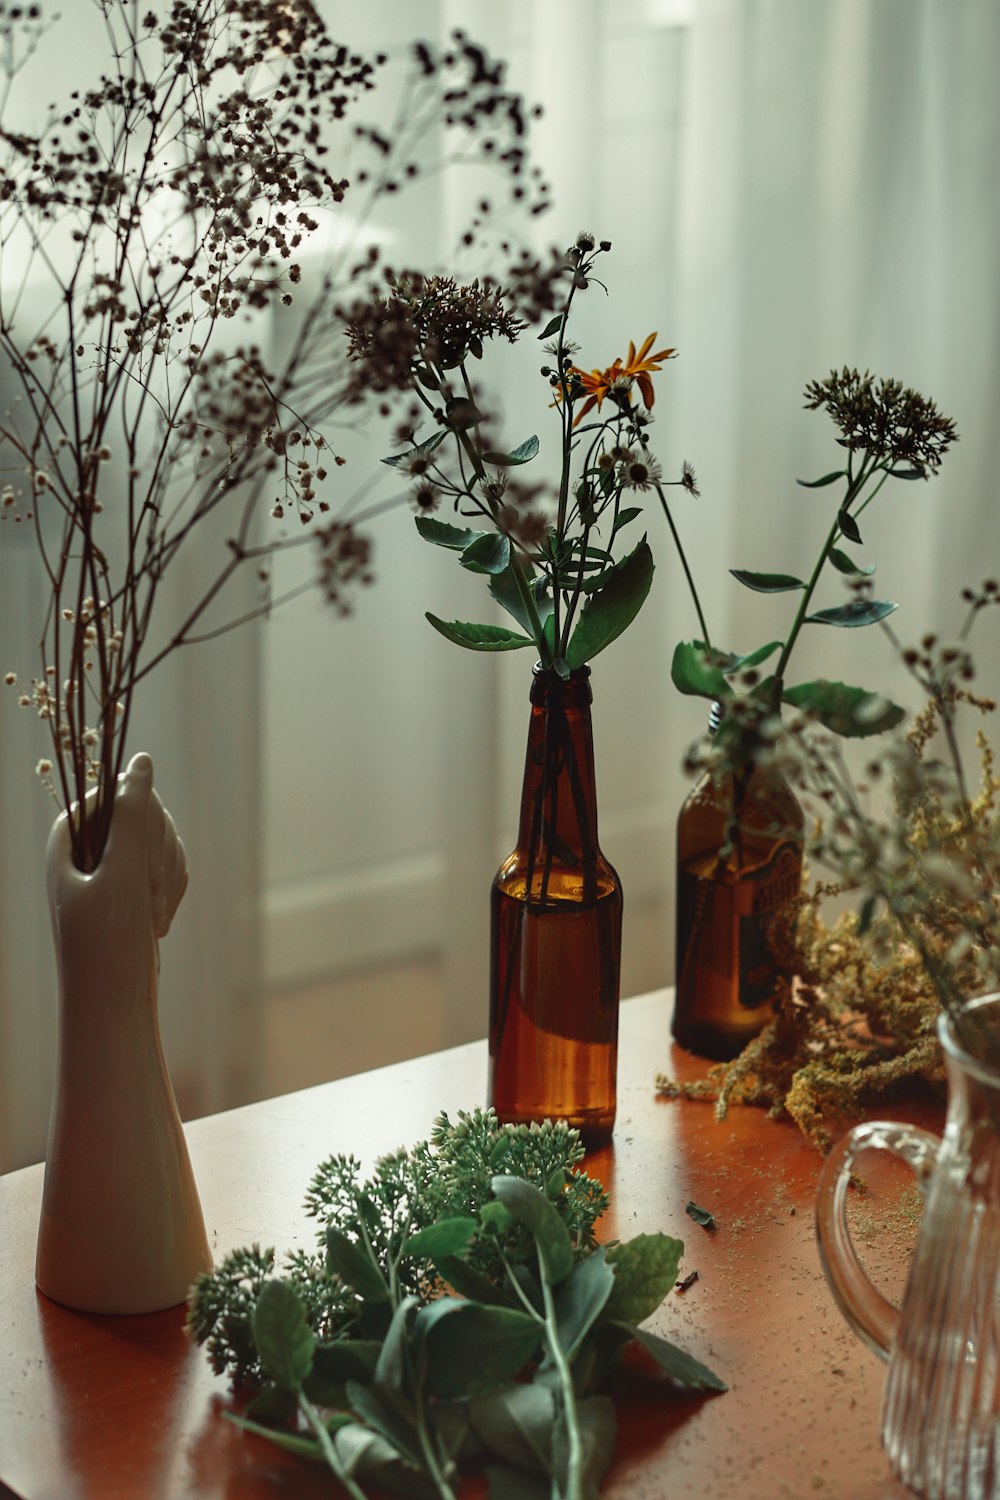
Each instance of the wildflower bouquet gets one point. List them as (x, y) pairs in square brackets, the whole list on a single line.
[(552, 567), (164, 209), (888, 432)]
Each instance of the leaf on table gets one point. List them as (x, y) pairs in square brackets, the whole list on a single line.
[(528, 1204), (686, 1373), (471, 1349), (700, 1215), (645, 1269), (581, 1298), (284, 1340)]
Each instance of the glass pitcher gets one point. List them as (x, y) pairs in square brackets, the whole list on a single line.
[(941, 1405)]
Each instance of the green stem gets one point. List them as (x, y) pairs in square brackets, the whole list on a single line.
[(330, 1453), (684, 564), (574, 1466), (854, 488)]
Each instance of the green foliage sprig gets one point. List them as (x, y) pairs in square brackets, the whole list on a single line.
[(458, 1309), (889, 432)]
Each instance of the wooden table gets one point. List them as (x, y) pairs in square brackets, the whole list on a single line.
[(96, 1408)]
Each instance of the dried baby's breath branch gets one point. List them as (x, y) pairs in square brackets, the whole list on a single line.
[(166, 207)]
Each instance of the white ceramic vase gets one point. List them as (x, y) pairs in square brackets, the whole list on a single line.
[(121, 1227)]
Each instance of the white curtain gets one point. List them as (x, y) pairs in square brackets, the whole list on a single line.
[(790, 186)]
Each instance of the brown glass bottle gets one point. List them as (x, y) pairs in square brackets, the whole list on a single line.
[(739, 868), (556, 909)]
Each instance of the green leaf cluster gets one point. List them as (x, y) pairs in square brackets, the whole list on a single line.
[(460, 1310)]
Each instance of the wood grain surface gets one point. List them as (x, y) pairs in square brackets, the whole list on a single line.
[(98, 1408)]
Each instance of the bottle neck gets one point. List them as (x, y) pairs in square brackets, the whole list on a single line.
[(558, 822)]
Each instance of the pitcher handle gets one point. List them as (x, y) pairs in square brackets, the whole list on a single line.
[(872, 1316)]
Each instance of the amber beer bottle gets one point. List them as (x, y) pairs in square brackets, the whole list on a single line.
[(556, 912), (739, 868)]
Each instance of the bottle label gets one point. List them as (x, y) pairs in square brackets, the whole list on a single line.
[(732, 923), (771, 889)]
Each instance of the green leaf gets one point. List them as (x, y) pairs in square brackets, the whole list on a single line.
[(489, 553), (284, 1339), (528, 1204), (686, 1372), (596, 1422), (472, 1349), (479, 637), (333, 1364), (623, 517), (368, 1455), (848, 526), (645, 1271), (495, 1218), (580, 1299), (522, 454), (467, 1281), (508, 1483), (291, 1442), (461, 413), (906, 474), (503, 587), (767, 583), (551, 327), (390, 1370), (702, 1216), (857, 612), (866, 915), (367, 1403), (693, 671), (844, 564), (352, 1263), (456, 538), (729, 663), (273, 1405), (516, 1424), (606, 614), (422, 449), (817, 484), (446, 1237), (850, 711)]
